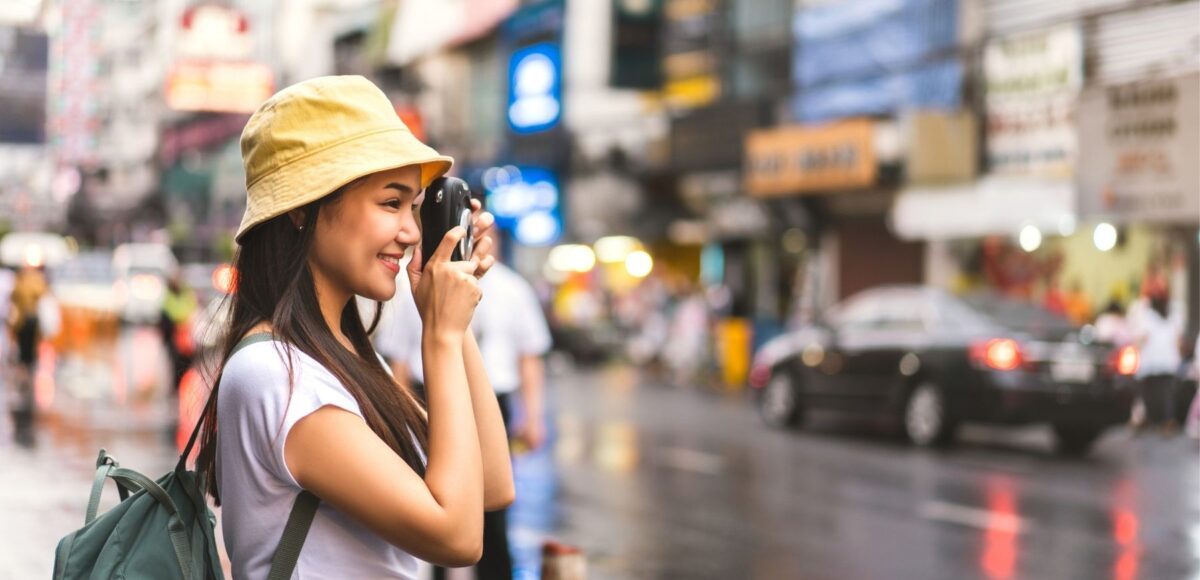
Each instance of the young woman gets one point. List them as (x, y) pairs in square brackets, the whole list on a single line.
[(305, 403)]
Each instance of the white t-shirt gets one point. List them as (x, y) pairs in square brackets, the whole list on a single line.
[(256, 409), (1158, 340), (508, 324)]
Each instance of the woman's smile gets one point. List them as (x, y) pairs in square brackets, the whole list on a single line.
[(390, 261)]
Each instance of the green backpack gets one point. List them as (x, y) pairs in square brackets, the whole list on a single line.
[(163, 529)]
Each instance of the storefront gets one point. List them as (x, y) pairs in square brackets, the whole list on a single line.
[(836, 169), (1138, 154)]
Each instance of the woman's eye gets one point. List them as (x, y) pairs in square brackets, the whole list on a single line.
[(393, 203)]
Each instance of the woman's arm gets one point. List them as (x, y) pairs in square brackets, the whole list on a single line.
[(498, 490), (335, 455)]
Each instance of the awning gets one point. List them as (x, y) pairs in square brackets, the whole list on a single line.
[(994, 205), (423, 27)]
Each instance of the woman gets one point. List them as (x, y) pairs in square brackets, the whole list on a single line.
[(332, 180)]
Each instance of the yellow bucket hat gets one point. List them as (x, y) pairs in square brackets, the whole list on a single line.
[(316, 136)]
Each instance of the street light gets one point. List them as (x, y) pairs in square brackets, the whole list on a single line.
[(1104, 236), (1030, 238), (614, 249), (639, 264), (572, 258)]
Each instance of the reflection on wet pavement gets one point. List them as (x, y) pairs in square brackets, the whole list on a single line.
[(704, 491), (659, 482)]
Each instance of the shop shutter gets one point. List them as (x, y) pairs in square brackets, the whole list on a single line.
[(1152, 42), (1008, 16)]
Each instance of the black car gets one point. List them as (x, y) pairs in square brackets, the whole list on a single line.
[(931, 361)]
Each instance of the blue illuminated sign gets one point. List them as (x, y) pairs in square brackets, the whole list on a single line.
[(535, 88), (525, 202)]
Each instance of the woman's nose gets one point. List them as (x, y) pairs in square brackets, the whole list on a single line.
[(409, 233)]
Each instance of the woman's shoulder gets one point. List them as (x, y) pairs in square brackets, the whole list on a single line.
[(272, 373)]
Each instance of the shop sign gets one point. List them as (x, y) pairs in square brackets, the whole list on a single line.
[(218, 86), (525, 201), (24, 64), (1139, 151), (214, 32), (535, 88), (1032, 82), (691, 31), (941, 147), (791, 160)]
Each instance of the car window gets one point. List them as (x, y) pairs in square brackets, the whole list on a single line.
[(1019, 316), (903, 311), (860, 312), (883, 310)]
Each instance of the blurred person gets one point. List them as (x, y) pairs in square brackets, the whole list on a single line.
[(29, 288), (1157, 338), (686, 348), (303, 407), (7, 281), (175, 323), (1111, 326), (1077, 303), (513, 336)]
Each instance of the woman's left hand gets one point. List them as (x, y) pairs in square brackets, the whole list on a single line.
[(482, 222)]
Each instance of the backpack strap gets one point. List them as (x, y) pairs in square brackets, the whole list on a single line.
[(187, 450), (294, 534), (131, 480)]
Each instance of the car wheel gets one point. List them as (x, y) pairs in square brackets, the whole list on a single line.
[(926, 419), (779, 402), (1076, 440)]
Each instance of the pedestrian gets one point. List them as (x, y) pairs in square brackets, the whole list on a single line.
[(28, 290), (303, 402), (1111, 326), (175, 324), (513, 336), (8, 280), (1157, 338)]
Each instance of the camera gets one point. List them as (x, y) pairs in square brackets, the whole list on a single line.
[(447, 204)]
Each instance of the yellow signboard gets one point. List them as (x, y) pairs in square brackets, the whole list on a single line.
[(808, 159)]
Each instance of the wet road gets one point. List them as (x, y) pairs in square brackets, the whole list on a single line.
[(661, 482)]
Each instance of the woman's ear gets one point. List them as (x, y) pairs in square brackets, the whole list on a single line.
[(297, 217)]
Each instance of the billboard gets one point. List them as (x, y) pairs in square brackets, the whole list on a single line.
[(24, 56)]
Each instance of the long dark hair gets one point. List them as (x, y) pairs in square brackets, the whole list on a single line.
[(274, 284)]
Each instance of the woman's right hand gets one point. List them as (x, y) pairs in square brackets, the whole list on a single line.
[(446, 292)]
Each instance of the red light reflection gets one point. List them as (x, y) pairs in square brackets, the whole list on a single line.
[(999, 559), (43, 378), (1125, 532)]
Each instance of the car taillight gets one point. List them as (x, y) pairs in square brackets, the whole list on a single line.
[(1125, 360), (1002, 354), (759, 375)]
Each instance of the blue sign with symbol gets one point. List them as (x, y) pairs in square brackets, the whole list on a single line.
[(525, 202), (535, 88)]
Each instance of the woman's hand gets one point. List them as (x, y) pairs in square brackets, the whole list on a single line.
[(446, 292), (484, 243)]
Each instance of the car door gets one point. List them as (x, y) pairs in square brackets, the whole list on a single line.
[(834, 368), (872, 351)]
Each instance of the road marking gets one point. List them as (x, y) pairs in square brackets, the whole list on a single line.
[(973, 517), (692, 460)]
